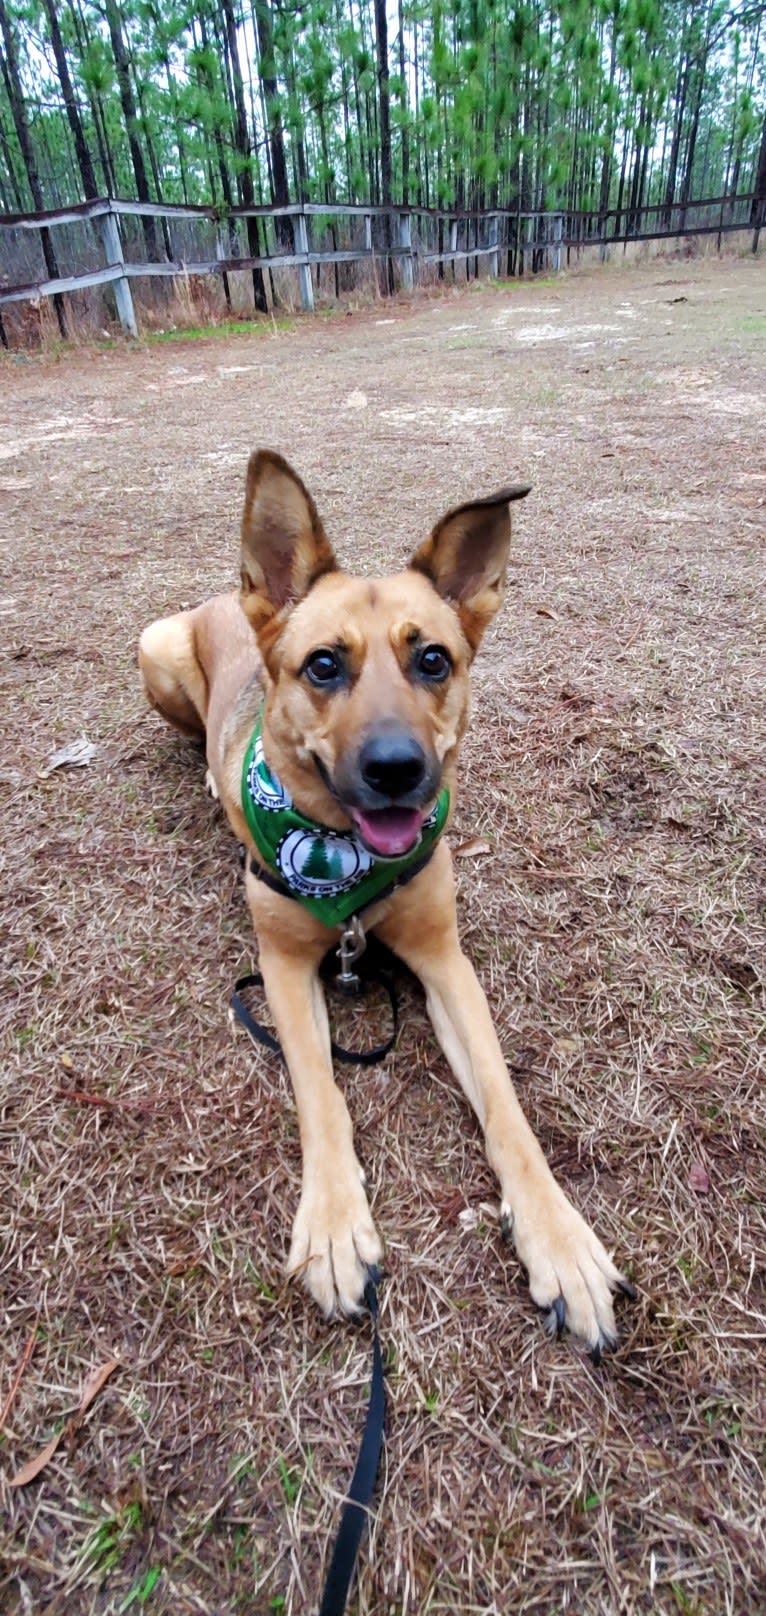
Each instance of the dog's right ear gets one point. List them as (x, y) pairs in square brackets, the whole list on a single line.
[(284, 546)]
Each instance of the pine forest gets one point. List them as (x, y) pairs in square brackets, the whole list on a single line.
[(580, 105)]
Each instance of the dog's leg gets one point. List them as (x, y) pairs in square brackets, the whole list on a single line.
[(334, 1238), (173, 679), (571, 1277)]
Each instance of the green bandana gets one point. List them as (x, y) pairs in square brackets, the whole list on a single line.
[(330, 871)]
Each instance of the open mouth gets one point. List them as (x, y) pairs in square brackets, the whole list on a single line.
[(389, 832)]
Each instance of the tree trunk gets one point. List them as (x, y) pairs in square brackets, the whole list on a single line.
[(153, 164), (242, 143), (608, 157), (10, 69), (87, 173), (699, 88), (405, 125), (384, 105), (682, 91), (636, 177), (130, 116), (96, 111), (758, 206), (8, 158), (280, 188)]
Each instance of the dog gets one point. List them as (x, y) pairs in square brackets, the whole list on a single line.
[(332, 710)]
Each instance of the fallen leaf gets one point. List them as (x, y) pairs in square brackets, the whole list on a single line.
[(96, 1379), (75, 755), (473, 848), (567, 1046), (67, 1062), (517, 715), (699, 1178), (32, 1468), (16, 1382), (547, 611)]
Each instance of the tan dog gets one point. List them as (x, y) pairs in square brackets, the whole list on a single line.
[(366, 701)]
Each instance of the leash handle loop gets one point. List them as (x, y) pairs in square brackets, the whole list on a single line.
[(352, 1057)]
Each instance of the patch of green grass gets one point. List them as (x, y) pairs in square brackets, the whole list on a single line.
[(587, 1501), (290, 1480), (241, 1465), (262, 1287), (689, 1606), (107, 1541), (227, 328), (244, 1549), (142, 1589), (751, 324)]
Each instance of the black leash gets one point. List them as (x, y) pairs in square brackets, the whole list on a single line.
[(357, 1505), (373, 968)]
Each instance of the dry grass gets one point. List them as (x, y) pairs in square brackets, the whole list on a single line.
[(615, 764)]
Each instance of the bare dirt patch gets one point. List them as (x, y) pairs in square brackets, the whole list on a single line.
[(148, 1155)]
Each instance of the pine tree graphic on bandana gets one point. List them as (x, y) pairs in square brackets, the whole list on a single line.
[(320, 866)]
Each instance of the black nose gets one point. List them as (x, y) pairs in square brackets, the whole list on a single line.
[(392, 763)]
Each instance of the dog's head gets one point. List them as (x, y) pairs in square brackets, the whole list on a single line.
[(367, 681)]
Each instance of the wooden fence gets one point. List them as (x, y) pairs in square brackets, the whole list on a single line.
[(507, 242)]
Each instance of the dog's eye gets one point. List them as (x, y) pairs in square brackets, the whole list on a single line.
[(323, 667), (434, 663)]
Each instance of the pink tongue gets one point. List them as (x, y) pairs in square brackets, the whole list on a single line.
[(389, 831)]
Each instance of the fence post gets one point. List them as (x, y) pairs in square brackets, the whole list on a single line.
[(453, 241), (221, 254), (405, 242), (109, 231), (757, 218), (304, 270), (554, 256), (493, 262)]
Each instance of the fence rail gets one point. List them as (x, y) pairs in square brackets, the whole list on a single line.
[(522, 239)]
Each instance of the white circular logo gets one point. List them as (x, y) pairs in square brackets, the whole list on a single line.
[(319, 863), (264, 786)]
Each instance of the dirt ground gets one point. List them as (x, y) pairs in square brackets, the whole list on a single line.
[(149, 1163)]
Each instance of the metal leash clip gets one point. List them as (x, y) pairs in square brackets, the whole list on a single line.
[(352, 944)]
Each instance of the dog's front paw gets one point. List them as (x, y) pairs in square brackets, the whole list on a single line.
[(571, 1277), (335, 1242)]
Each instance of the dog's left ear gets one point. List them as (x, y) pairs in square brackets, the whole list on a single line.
[(466, 557), (284, 545)]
